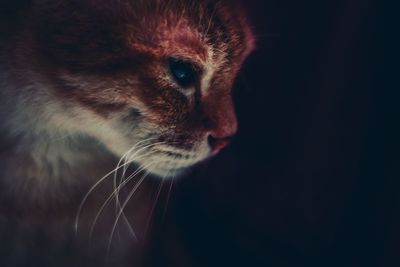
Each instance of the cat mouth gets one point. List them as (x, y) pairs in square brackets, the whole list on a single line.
[(177, 158), (170, 160), (172, 154), (178, 153)]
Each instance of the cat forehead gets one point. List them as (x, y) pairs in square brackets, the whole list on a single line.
[(83, 37), (218, 34), (179, 40)]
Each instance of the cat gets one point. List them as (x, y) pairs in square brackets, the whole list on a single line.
[(85, 84)]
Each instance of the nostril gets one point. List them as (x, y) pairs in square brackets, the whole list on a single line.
[(217, 144)]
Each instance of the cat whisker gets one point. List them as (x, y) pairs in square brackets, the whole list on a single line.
[(123, 207), (112, 195), (76, 225), (124, 159), (117, 204), (87, 196), (131, 158), (160, 186)]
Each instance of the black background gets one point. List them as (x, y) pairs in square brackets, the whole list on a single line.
[(312, 177)]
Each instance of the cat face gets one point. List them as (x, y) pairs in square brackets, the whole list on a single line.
[(151, 76)]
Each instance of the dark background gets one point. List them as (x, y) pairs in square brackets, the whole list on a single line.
[(312, 177)]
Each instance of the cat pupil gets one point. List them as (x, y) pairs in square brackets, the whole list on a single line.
[(183, 72)]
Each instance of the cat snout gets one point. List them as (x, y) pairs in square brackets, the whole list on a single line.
[(216, 144), (220, 137), (221, 125)]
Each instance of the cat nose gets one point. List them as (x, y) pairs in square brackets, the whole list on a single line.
[(216, 144), (220, 138), (221, 123)]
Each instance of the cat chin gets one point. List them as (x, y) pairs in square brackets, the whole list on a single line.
[(161, 167), (165, 169), (168, 173)]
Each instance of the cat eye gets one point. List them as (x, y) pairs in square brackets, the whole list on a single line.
[(183, 72)]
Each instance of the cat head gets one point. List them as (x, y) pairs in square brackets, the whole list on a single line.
[(151, 76)]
